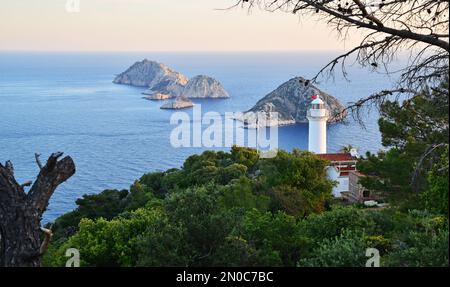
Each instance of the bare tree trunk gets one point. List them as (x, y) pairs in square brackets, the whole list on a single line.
[(21, 213)]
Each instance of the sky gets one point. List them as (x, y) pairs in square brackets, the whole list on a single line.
[(157, 25)]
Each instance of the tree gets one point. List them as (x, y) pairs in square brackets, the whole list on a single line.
[(416, 131), (422, 250), (330, 224), (345, 250), (346, 148), (419, 28), (107, 204), (274, 236), (297, 182), (133, 238), (21, 212), (436, 196), (197, 209), (241, 194)]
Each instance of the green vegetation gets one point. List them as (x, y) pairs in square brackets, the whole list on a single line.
[(170, 219), (413, 173), (235, 209)]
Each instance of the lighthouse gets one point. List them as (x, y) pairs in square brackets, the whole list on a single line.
[(317, 116)]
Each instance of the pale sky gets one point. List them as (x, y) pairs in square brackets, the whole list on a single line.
[(156, 25)]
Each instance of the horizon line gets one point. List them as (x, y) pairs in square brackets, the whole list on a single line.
[(170, 51)]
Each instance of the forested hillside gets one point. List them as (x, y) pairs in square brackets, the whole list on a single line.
[(235, 209)]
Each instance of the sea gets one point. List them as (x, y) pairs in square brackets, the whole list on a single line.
[(67, 102)]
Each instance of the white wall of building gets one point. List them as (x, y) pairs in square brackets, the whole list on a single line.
[(342, 182)]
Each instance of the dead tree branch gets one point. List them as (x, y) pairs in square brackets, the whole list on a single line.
[(38, 161), (21, 213), (48, 234)]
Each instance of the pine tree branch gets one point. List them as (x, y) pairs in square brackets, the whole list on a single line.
[(51, 175)]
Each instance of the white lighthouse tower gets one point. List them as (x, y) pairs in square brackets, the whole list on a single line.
[(317, 116)]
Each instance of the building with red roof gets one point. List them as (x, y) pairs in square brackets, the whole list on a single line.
[(341, 164)]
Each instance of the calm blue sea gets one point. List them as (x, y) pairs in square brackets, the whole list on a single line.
[(66, 102)]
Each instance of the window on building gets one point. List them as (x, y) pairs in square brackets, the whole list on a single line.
[(317, 106)]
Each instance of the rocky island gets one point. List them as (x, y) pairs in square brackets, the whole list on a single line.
[(291, 101), (158, 78), (164, 83), (204, 87), (157, 97), (179, 103)]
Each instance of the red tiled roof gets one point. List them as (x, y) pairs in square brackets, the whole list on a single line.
[(337, 157)]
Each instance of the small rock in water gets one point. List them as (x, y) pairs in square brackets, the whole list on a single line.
[(157, 97), (178, 103)]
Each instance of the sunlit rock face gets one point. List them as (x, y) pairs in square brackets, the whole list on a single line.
[(204, 87), (156, 76), (291, 100)]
